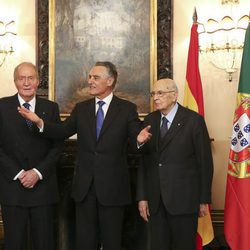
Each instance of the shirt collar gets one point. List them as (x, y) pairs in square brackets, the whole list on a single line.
[(32, 102), (107, 99), (170, 116)]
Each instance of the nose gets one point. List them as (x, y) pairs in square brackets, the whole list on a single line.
[(155, 97), (26, 81), (90, 80)]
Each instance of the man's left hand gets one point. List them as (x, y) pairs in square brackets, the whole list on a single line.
[(29, 178)]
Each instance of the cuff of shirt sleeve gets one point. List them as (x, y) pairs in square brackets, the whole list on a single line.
[(139, 145), (41, 129), (16, 177), (39, 174)]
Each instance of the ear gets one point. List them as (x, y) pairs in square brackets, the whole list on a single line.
[(175, 96), (110, 81), (38, 82)]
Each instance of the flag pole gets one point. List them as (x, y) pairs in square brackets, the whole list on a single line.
[(195, 17)]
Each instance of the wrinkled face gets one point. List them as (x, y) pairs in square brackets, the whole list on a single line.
[(100, 83), (26, 81), (164, 95)]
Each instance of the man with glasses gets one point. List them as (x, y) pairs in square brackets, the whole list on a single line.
[(28, 182), (174, 181)]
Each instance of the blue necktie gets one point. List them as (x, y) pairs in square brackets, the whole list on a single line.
[(164, 126), (28, 122), (99, 118)]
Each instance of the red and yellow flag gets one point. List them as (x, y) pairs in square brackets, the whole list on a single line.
[(237, 203), (193, 99), (193, 95)]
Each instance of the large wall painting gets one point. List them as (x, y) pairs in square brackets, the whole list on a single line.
[(85, 31)]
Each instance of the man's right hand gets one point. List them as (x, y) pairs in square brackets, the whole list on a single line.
[(144, 210), (29, 178), (144, 136), (29, 115)]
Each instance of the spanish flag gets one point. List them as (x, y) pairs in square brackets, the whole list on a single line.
[(193, 96), (237, 203), (193, 99)]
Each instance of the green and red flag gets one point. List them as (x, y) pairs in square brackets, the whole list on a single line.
[(193, 99), (237, 202)]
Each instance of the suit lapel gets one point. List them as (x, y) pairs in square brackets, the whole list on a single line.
[(176, 126), (40, 109), (22, 133), (91, 116), (113, 110), (19, 120), (155, 128)]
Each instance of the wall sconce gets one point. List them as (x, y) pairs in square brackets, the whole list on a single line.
[(222, 41), (7, 31)]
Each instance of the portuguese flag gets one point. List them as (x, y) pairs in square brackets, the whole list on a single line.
[(237, 203), (193, 99)]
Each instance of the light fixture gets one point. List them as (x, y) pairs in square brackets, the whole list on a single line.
[(7, 31), (222, 40)]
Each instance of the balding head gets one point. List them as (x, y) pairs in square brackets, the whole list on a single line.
[(165, 93), (168, 84)]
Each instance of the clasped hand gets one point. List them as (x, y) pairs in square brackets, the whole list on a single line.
[(28, 178)]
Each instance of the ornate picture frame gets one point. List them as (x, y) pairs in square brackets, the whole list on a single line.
[(123, 32), (161, 39)]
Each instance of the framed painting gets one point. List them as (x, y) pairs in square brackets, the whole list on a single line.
[(82, 32)]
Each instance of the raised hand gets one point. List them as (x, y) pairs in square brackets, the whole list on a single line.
[(29, 115), (144, 135)]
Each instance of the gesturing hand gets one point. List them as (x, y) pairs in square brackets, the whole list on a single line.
[(29, 115), (144, 135)]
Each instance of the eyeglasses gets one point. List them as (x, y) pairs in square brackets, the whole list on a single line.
[(160, 93)]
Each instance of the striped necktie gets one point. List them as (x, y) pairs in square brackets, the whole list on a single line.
[(28, 122), (164, 126)]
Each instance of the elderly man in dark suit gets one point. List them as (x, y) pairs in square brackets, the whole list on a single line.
[(104, 125), (174, 181), (28, 183)]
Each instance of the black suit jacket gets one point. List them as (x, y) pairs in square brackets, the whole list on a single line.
[(22, 148), (103, 161), (180, 168)]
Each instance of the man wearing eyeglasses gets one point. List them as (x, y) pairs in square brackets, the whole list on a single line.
[(174, 181)]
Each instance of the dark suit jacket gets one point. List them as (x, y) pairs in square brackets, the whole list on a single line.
[(103, 161), (180, 168), (21, 148)]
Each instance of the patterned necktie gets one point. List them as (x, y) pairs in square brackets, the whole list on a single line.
[(164, 126), (28, 122), (99, 118)]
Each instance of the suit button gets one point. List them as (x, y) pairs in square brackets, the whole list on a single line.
[(96, 153), (160, 165)]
